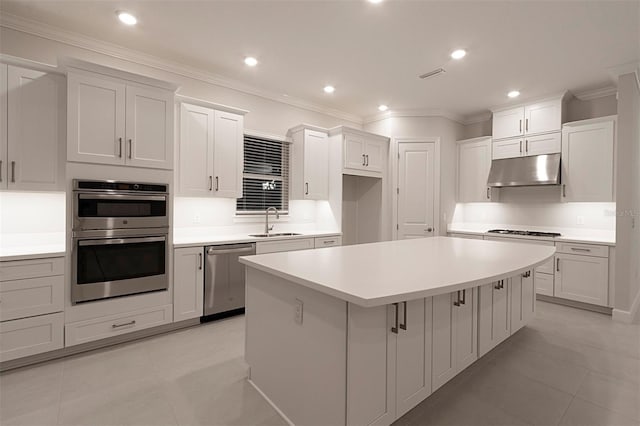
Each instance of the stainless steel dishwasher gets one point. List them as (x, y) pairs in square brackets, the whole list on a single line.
[(224, 278)]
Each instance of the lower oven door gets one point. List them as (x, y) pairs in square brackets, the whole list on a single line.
[(118, 266)]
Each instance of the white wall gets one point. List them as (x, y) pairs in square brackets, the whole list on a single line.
[(627, 288)]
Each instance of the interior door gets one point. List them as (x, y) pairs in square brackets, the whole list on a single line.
[(416, 190)]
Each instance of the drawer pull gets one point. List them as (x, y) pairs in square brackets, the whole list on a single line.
[(580, 249), (394, 329), (329, 242), (558, 265), (132, 322), (464, 297)]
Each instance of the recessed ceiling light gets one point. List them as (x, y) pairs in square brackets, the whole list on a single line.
[(329, 89), (251, 61), (375, 1), (127, 18), (513, 94), (458, 54), (383, 108)]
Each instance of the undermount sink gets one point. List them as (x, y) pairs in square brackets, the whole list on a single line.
[(276, 234)]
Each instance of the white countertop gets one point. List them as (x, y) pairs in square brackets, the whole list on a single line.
[(395, 271), (191, 239), (569, 235), (32, 245)]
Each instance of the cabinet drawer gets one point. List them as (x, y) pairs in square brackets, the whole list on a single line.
[(544, 283), (114, 325), (335, 240), (32, 268), (30, 297), (583, 249), (30, 336), (284, 245)]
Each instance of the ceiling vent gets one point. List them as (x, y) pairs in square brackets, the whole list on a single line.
[(433, 73)]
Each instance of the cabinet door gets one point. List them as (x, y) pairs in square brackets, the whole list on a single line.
[(316, 166), (508, 123), (195, 168), (33, 130), (95, 119), (228, 154), (413, 359), (444, 340), (373, 151), (523, 300), (494, 315), (582, 278), (188, 283), (3, 126), (474, 162), (30, 336), (543, 144), (543, 117), (466, 333), (371, 365), (509, 148), (149, 129), (586, 148), (544, 283), (354, 152)]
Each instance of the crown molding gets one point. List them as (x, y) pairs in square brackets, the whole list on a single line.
[(406, 113), (587, 95), (628, 68), (71, 38)]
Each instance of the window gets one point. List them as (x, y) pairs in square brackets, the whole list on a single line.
[(265, 178)]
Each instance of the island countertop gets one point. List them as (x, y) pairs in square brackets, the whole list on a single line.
[(394, 271)]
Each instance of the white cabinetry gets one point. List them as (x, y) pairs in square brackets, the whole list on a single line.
[(588, 146), (120, 122), (292, 244), (388, 360), (523, 300), (582, 273), (31, 127), (330, 241), (455, 334), (494, 315), (32, 301), (309, 164), (508, 123), (549, 143), (474, 162), (363, 153), (530, 119), (188, 283)]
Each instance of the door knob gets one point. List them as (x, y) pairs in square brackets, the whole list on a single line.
[(429, 229)]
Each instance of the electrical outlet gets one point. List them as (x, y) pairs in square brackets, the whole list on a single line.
[(196, 219), (580, 220), (299, 306)]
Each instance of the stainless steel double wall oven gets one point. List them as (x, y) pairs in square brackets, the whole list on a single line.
[(120, 239)]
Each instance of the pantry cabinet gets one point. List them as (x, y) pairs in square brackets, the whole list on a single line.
[(211, 151), (32, 126), (587, 146), (529, 119), (309, 164), (188, 283), (474, 163), (118, 122)]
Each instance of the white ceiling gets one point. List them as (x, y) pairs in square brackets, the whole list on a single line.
[(373, 53)]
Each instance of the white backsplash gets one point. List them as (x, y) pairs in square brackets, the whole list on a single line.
[(32, 212)]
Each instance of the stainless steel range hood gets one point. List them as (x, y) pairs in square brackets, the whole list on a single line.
[(525, 171)]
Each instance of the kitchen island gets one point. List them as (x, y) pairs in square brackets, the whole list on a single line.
[(361, 334)]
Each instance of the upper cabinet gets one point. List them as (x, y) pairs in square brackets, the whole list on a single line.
[(118, 118), (588, 146), (548, 143), (364, 152), (474, 162), (210, 151), (508, 123), (31, 128), (309, 164)]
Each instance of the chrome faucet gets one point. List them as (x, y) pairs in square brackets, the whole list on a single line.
[(268, 228)]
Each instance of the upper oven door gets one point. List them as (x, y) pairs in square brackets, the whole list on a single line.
[(119, 211)]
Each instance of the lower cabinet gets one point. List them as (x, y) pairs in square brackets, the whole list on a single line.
[(455, 334), (30, 336), (188, 283), (544, 283), (331, 241), (582, 278), (494, 315), (292, 244), (388, 360), (523, 300)]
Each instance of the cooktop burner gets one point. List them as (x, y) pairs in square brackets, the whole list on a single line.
[(526, 233)]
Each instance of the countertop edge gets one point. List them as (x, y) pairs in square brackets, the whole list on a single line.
[(525, 237), (249, 239), (29, 256)]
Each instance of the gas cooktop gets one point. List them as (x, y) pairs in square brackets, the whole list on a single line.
[(526, 233)]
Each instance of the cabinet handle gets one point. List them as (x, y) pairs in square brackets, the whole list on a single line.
[(564, 190), (120, 147), (520, 125), (367, 157), (464, 297), (0, 170), (217, 184), (200, 261), (132, 322), (329, 242), (526, 146), (13, 172), (497, 286), (520, 147), (488, 193), (395, 328), (403, 326), (581, 249), (526, 125), (363, 160), (130, 147), (457, 301), (210, 183), (306, 188), (558, 265)]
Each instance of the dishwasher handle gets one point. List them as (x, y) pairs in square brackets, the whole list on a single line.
[(212, 251)]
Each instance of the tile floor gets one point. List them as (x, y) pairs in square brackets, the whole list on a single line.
[(568, 367)]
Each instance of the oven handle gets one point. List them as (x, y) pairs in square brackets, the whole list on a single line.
[(109, 241), (122, 197)]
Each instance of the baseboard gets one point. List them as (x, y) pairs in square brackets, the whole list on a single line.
[(98, 344), (574, 304), (266, 398), (630, 316)]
